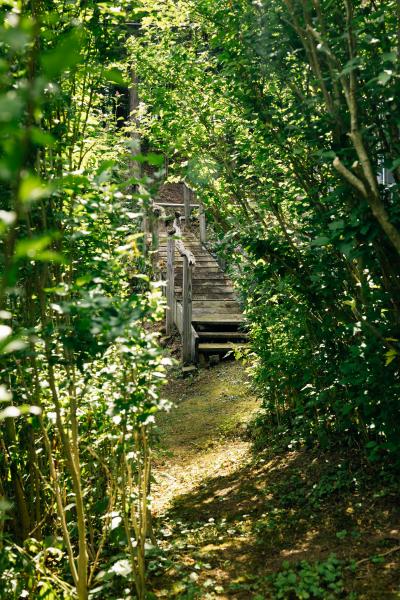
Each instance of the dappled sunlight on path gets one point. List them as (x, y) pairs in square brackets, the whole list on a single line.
[(187, 475), (203, 434), (227, 518)]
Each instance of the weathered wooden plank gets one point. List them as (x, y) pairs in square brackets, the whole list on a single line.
[(169, 325), (187, 311), (217, 346), (213, 318), (186, 201), (219, 306), (178, 316), (202, 298), (205, 258), (216, 284), (205, 271), (176, 204), (203, 226), (223, 334), (195, 339), (210, 292), (214, 315), (199, 276)]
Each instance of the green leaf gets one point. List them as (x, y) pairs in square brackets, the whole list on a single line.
[(115, 76), (32, 247), (156, 160), (33, 189), (42, 138), (395, 164), (339, 224), (346, 248), (391, 355), (11, 106), (37, 249), (350, 66), (389, 57), (320, 241), (385, 76), (66, 54)]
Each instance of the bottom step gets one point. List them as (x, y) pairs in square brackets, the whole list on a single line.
[(217, 346)]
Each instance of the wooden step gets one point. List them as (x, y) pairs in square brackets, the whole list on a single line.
[(217, 318), (216, 286), (199, 275), (216, 305), (201, 259), (217, 346), (200, 312), (228, 335), (206, 297), (214, 279)]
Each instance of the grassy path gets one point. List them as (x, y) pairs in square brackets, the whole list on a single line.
[(228, 519), (203, 434)]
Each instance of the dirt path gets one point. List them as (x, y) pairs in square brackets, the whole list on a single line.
[(228, 519), (203, 435)]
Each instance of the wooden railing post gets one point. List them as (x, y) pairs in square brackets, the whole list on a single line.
[(145, 230), (186, 200), (202, 220), (155, 229), (187, 311), (188, 264), (155, 240), (169, 318)]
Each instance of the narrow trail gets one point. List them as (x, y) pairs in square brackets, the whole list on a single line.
[(228, 518), (204, 433)]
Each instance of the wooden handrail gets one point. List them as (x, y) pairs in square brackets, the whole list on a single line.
[(189, 263), (155, 229), (170, 313), (180, 246), (187, 192), (178, 204), (203, 226)]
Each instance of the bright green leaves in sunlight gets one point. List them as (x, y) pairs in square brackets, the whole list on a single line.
[(68, 52), (81, 368)]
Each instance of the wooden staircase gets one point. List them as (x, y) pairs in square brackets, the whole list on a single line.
[(217, 319), (201, 301)]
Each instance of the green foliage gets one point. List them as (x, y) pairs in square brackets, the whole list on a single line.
[(81, 369), (253, 104), (28, 572), (309, 581)]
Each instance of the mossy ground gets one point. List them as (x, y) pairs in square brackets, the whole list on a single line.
[(229, 518)]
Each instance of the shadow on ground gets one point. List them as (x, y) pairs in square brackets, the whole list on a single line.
[(227, 534)]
